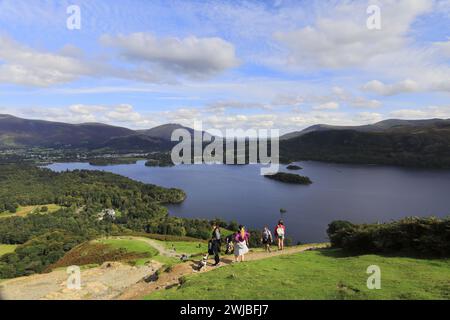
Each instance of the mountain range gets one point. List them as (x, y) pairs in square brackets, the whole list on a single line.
[(424, 143)]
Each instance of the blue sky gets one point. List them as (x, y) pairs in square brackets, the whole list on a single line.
[(232, 64)]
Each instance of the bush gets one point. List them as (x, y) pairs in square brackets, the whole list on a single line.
[(337, 230), (416, 236)]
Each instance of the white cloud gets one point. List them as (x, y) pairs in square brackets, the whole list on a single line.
[(355, 101), (222, 106), (442, 112), (327, 106), (192, 56), (86, 109), (368, 117), (443, 48), (380, 88), (342, 40), (25, 66)]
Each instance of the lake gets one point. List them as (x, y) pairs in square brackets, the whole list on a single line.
[(357, 193)]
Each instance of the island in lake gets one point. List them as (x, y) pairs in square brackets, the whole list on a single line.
[(293, 167), (289, 178)]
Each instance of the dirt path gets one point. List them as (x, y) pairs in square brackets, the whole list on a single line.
[(161, 248), (116, 280), (104, 282), (171, 279)]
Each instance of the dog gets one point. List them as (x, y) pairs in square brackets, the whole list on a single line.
[(203, 262), (184, 258)]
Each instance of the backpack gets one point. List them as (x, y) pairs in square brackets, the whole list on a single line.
[(280, 231), (266, 235)]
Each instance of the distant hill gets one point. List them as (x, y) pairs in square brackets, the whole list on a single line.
[(23, 133), (376, 127), (421, 143), (165, 131), (17, 132)]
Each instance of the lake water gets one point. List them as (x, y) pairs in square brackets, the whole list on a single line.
[(356, 193)]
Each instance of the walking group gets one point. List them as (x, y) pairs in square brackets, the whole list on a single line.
[(239, 242)]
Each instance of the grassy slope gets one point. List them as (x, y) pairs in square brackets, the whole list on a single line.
[(25, 210), (130, 245), (323, 274), (133, 246), (7, 248), (189, 248)]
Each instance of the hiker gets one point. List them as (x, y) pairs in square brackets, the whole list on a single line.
[(280, 232), (266, 238), (241, 244), (215, 243)]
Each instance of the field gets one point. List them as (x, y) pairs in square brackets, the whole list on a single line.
[(321, 274), (22, 211), (7, 248)]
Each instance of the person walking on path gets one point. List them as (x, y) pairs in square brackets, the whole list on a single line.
[(216, 243), (266, 238), (241, 244), (280, 232)]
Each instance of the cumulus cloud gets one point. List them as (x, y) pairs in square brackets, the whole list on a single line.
[(380, 88), (342, 40), (86, 109), (353, 100), (191, 56), (26, 66)]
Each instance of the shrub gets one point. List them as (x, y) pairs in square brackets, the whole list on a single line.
[(416, 236)]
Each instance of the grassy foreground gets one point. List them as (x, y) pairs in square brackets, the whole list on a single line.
[(321, 274)]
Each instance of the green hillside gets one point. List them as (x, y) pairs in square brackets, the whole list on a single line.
[(321, 274), (413, 145)]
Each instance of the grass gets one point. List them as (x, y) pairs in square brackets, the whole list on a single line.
[(23, 211), (189, 248), (132, 246), (7, 248), (321, 274)]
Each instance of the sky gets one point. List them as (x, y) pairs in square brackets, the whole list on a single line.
[(231, 64)]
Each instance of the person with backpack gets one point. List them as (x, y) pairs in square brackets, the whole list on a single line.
[(280, 232), (215, 244), (266, 238), (241, 244)]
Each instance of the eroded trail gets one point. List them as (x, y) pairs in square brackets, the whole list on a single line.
[(99, 283), (171, 279), (117, 280)]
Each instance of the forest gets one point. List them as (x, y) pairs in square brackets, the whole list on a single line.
[(43, 237)]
